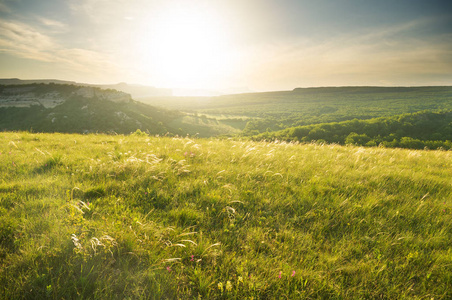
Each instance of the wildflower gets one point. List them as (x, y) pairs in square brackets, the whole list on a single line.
[(280, 272), (228, 286), (168, 269), (192, 258), (145, 193), (220, 286), (240, 279), (293, 273)]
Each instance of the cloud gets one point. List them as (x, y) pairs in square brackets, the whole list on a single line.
[(52, 23), (110, 11), (23, 41), (393, 54)]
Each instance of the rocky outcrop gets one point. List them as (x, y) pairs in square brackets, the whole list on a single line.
[(111, 95), (52, 95)]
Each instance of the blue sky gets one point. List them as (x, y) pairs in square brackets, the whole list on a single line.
[(219, 44)]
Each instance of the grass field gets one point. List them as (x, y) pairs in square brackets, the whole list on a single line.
[(307, 106), (139, 217)]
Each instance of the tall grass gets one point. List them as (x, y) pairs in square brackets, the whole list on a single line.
[(100, 217)]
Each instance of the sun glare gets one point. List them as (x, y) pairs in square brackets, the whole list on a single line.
[(187, 47)]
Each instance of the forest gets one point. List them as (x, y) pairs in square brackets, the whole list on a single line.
[(431, 130)]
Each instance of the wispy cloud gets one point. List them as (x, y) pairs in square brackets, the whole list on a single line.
[(110, 11), (22, 40), (52, 23), (392, 53)]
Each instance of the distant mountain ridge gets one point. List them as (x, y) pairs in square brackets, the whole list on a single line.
[(17, 81), (369, 89)]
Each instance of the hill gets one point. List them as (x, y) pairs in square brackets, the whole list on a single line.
[(256, 113), (97, 216), (78, 109), (82, 109)]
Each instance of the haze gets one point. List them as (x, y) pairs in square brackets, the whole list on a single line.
[(257, 45)]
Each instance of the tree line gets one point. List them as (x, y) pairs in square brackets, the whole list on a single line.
[(425, 129)]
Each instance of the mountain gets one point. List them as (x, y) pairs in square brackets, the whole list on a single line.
[(50, 107)]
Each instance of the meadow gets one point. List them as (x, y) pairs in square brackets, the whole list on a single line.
[(143, 217)]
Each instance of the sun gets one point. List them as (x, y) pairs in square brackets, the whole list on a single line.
[(187, 47)]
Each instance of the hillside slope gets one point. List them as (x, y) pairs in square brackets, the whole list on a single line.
[(78, 109), (97, 216)]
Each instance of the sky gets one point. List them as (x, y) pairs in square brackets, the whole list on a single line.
[(224, 45)]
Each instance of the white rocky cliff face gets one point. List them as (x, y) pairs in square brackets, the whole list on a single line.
[(27, 96), (112, 95)]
